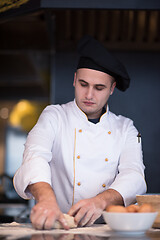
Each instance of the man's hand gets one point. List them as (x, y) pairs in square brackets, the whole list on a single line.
[(44, 214), (46, 211), (87, 211)]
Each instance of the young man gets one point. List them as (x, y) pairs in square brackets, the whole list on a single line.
[(79, 158)]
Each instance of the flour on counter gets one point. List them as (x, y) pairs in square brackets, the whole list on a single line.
[(16, 230)]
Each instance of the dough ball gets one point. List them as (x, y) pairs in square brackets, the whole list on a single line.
[(132, 208), (116, 208), (146, 208), (70, 222)]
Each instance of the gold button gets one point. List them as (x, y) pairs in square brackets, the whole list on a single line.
[(80, 130), (104, 185), (109, 132), (79, 184), (106, 159), (78, 157)]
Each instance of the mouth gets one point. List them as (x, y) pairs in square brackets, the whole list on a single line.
[(88, 103)]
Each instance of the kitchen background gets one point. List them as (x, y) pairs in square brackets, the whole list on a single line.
[(37, 63)]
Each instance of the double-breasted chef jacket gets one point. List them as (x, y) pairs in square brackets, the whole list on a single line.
[(80, 159)]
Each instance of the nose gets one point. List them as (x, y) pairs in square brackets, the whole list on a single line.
[(89, 93)]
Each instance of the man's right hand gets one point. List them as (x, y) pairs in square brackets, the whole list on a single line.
[(46, 211)]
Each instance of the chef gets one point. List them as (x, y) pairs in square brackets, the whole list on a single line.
[(80, 157)]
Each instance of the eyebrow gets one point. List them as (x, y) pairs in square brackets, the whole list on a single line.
[(97, 85)]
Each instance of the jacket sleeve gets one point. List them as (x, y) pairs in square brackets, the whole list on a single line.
[(130, 181), (37, 154)]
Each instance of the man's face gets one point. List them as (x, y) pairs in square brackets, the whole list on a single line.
[(92, 90)]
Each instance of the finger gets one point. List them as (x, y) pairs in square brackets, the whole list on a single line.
[(63, 222), (51, 219), (49, 223), (90, 223), (74, 209), (92, 217), (35, 212), (86, 218), (92, 220), (38, 219), (80, 215)]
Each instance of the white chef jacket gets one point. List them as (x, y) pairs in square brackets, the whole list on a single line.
[(80, 159)]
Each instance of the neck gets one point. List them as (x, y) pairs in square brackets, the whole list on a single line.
[(97, 115)]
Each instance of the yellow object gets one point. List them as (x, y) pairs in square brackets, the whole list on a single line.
[(25, 114), (8, 4)]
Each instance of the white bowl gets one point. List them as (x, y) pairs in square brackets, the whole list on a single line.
[(129, 222)]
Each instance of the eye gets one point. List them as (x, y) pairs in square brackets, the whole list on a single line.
[(83, 84), (99, 88)]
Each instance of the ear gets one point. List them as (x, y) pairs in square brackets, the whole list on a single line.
[(74, 82), (113, 87)]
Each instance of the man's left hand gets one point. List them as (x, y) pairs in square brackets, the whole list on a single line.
[(86, 211)]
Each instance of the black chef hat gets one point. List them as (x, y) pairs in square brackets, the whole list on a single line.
[(93, 55)]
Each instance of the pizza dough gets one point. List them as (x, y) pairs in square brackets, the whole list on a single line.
[(70, 222)]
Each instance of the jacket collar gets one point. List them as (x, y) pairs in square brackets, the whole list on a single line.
[(83, 116)]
